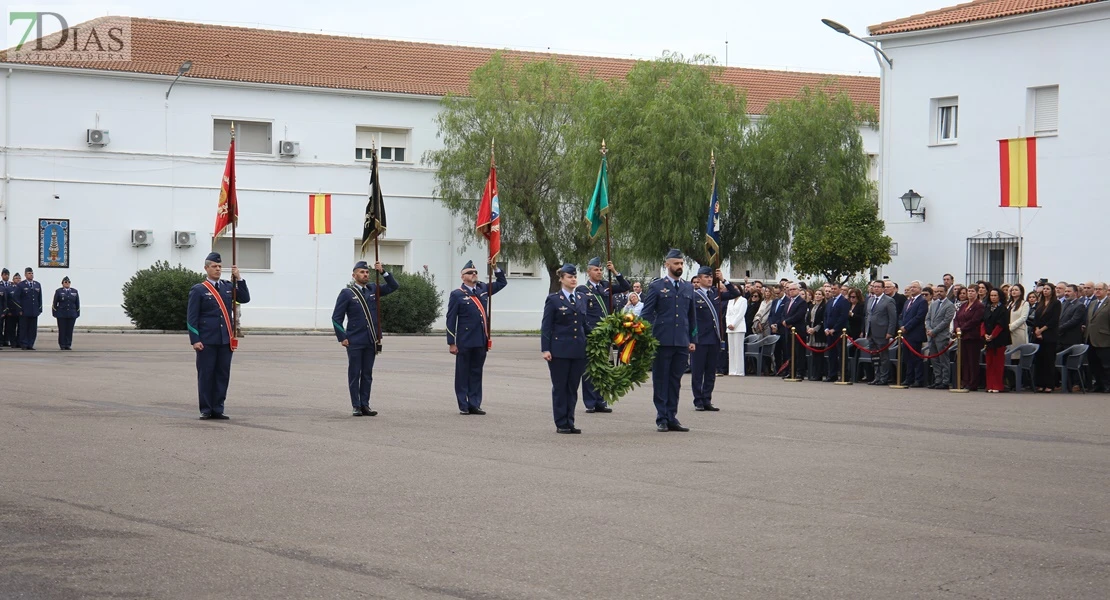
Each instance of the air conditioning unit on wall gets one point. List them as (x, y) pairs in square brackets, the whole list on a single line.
[(289, 148), (141, 237), (184, 239), (96, 137)]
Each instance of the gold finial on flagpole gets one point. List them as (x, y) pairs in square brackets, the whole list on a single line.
[(233, 130), (604, 150)]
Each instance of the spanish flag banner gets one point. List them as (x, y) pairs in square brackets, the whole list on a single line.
[(1018, 158), (319, 213)]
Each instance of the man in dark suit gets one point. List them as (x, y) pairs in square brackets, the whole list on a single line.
[(913, 335), (707, 345), (882, 324), (836, 321), (1098, 336), (468, 337), (669, 307), (357, 304), (563, 346), (890, 288), (938, 329), (29, 294), (596, 294), (794, 317), (1073, 317), (208, 318)]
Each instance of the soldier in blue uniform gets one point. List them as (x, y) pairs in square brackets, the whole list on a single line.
[(707, 346), (467, 337), (357, 303), (29, 294), (208, 318), (66, 309), (4, 289), (13, 311), (596, 291), (563, 345), (669, 307)]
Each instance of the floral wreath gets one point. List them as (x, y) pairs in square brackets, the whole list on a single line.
[(619, 353)]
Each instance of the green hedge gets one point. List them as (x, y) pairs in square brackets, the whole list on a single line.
[(414, 306), (158, 297)]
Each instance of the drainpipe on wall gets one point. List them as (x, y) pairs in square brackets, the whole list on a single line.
[(4, 183)]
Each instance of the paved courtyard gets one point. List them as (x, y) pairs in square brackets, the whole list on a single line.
[(111, 488)]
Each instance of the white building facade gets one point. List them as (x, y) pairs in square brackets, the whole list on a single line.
[(147, 191), (953, 92)]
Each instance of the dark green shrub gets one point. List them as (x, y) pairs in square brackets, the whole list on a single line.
[(414, 306), (157, 298)]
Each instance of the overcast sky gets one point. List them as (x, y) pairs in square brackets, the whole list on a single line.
[(776, 34)]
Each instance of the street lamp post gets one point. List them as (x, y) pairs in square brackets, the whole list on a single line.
[(837, 27)]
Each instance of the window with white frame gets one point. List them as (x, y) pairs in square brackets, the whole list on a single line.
[(391, 254), (253, 253), (1045, 109), (254, 137), (519, 269), (392, 144), (946, 120)]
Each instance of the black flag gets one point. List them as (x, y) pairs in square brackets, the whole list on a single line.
[(374, 225)]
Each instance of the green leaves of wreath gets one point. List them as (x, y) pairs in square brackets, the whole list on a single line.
[(610, 381)]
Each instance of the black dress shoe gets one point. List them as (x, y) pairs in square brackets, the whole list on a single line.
[(677, 427), (365, 410), (662, 427), (699, 408), (477, 411), (575, 430), (564, 430), (590, 410), (461, 412), (711, 408), (221, 417), (205, 417), (356, 413), (918, 385), (603, 409)]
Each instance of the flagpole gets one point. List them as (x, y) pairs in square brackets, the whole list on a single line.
[(235, 316), (608, 242), (712, 188), (489, 265), (316, 299), (377, 275)]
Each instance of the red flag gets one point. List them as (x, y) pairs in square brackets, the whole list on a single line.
[(489, 214), (227, 212)]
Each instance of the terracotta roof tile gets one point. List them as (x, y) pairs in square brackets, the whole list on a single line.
[(326, 61), (979, 10)]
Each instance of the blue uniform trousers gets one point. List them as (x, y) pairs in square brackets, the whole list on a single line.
[(11, 329), (590, 396), (213, 374), (360, 374), (703, 368), (565, 375), (468, 377), (666, 379), (65, 331), (28, 331)]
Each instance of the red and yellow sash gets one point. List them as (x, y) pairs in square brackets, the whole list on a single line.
[(481, 311), (223, 309)]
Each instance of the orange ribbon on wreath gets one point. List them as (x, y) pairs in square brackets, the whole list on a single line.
[(624, 341)]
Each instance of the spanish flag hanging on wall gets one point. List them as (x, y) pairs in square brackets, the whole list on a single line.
[(319, 213), (1018, 158)]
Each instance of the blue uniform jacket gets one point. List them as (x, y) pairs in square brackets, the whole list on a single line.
[(29, 298), (465, 326), (563, 330), (913, 319), (67, 304), (709, 313), (836, 315), (204, 318), (671, 312), (597, 299), (4, 285), (348, 306)]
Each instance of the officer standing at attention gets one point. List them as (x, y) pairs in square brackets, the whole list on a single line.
[(66, 309), (563, 344), (208, 318), (669, 307), (703, 364), (357, 303), (14, 313), (7, 319), (29, 293), (597, 294), (467, 337)]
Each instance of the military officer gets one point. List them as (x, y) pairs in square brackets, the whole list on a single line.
[(29, 293), (13, 311), (66, 309), (563, 345), (707, 346), (596, 290), (669, 307), (468, 337), (4, 285), (208, 318), (357, 303)]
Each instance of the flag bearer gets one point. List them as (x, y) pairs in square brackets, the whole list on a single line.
[(357, 304)]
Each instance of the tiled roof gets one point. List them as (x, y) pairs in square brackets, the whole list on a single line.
[(283, 57), (979, 10)]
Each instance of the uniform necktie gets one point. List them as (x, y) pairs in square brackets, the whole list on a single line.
[(572, 298)]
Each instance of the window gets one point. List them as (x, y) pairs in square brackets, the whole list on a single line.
[(1045, 109), (255, 137), (391, 254), (517, 269), (993, 257), (392, 144), (946, 120), (253, 253)]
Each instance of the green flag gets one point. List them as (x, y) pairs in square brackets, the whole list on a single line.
[(599, 204)]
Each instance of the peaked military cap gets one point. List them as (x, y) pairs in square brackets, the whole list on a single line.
[(65, 279), (705, 271), (214, 257), (569, 269), (4, 272), (28, 270), (595, 261), (674, 253), (469, 265), (361, 265)]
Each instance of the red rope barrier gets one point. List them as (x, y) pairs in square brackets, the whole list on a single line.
[(811, 348), (937, 355), (870, 351)]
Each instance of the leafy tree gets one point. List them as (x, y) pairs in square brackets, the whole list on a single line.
[(158, 297), (850, 242), (528, 109)]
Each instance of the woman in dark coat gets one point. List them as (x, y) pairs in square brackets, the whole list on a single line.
[(1046, 329), (996, 333), (753, 307), (815, 334), (969, 325)]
